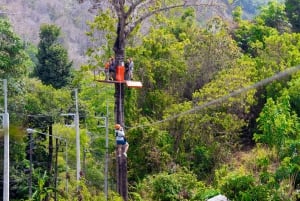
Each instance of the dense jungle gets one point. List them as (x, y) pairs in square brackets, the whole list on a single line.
[(218, 112)]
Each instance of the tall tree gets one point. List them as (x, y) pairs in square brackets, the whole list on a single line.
[(212, 50), (130, 14), (54, 67), (14, 63), (274, 15), (12, 55), (277, 123)]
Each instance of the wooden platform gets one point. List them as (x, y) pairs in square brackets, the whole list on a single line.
[(129, 83)]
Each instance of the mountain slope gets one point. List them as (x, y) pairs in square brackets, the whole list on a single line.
[(26, 16)]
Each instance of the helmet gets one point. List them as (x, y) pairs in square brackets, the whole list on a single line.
[(117, 126)]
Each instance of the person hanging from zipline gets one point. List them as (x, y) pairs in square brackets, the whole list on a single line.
[(121, 140)]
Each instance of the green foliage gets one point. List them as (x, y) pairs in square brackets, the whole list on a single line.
[(237, 14), (131, 105), (155, 103), (258, 192), (276, 123), (41, 99), (235, 186), (177, 61), (152, 146), (180, 185), (289, 167), (41, 192), (217, 126), (211, 51), (274, 15), (292, 8), (159, 62), (84, 193), (225, 118), (205, 193), (248, 35), (18, 171), (293, 91), (53, 68), (165, 188), (203, 161), (280, 52), (13, 59), (104, 23)]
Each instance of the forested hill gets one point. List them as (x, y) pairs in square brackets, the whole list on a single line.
[(26, 17)]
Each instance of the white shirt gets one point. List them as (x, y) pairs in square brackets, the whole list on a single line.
[(120, 134)]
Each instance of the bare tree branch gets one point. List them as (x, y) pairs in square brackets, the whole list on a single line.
[(134, 5), (130, 26), (118, 8)]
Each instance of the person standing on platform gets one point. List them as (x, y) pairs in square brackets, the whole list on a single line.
[(106, 69), (130, 68), (127, 69), (112, 69)]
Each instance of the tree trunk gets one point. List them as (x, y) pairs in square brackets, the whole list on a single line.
[(119, 103), (119, 49)]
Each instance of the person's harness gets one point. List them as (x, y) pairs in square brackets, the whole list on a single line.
[(120, 135)]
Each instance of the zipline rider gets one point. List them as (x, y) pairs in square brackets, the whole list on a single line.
[(121, 140)]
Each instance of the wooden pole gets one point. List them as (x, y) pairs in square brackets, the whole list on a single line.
[(56, 168), (122, 183)]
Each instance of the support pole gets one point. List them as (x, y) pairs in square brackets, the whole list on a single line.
[(56, 168), (77, 139), (6, 146), (122, 184), (67, 173), (30, 159), (106, 155)]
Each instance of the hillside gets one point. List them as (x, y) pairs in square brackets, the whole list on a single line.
[(26, 16)]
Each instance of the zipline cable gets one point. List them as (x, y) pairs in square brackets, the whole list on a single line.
[(261, 83)]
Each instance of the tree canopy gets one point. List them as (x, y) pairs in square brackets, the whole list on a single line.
[(292, 8), (54, 67), (12, 55)]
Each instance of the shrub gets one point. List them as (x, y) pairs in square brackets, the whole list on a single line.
[(236, 185)]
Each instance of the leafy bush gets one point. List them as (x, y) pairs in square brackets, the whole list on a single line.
[(205, 194), (255, 193), (181, 185), (235, 186), (203, 162), (165, 188)]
